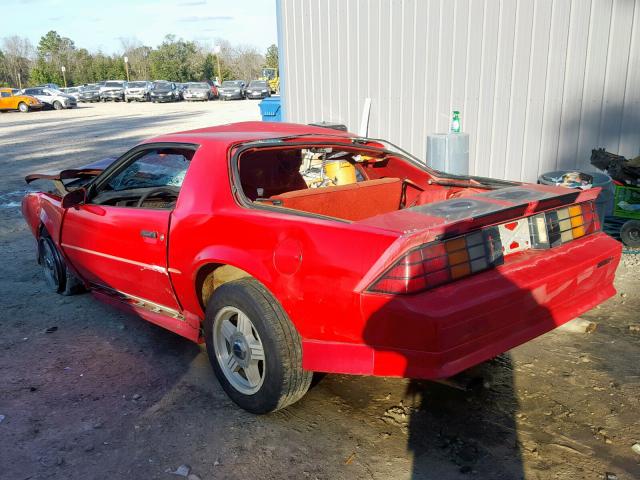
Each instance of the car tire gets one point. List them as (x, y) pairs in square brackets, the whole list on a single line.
[(57, 105), (277, 378), (630, 233), (56, 274), (23, 107)]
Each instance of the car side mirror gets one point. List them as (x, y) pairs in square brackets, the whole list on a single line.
[(74, 198)]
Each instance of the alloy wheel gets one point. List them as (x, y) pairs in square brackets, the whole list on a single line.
[(239, 350)]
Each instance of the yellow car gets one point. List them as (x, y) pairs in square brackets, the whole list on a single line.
[(24, 103)]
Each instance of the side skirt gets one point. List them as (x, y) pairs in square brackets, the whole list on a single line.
[(164, 317)]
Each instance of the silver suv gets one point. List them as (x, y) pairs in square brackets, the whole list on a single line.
[(51, 97), (138, 91), (112, 90)]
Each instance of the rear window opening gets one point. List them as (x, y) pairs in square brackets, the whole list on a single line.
[(336, 181)]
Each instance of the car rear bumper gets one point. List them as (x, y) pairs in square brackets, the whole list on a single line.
[(449, 329)]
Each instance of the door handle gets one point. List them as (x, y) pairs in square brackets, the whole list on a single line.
[(148, 234)]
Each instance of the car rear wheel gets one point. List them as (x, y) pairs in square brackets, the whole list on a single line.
[(57, 105), (253, 347), (23, 107), (630, 233)]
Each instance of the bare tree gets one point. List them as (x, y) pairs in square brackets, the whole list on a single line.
[(18, 57), (139, 60)]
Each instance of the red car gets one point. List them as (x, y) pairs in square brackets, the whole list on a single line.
[(291, 249)]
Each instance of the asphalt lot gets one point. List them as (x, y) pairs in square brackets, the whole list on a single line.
[(90, 392)]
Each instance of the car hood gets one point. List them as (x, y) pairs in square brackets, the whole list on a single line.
[(83, 174), (162, 90), (197, 90)]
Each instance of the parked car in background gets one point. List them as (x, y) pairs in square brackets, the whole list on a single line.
[(164, 91), (214, 88), (73, 91), (229, 236), (232, 90), (54, 86), (138, 91), (51, 97), (181, 87), (112, 90), (89, 93), (258, 89), (10, 100), (197, 91)]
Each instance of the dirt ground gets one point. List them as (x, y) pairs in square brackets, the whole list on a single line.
[(88, 392)]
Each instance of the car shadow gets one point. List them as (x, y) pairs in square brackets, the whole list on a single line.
[(465, 424)]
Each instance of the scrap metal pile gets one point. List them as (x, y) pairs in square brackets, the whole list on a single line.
[(619, 168)]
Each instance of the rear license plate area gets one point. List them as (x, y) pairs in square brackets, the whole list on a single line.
[(515, 236)]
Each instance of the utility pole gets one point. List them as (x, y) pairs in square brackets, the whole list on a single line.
[(126, 66), (217, 51), (64, 76), (19, 81)]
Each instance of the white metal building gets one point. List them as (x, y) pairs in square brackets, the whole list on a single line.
[(539, 83)]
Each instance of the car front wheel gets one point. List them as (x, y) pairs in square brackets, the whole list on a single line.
[(23, 107), (57, 277), (253, 347), (57, 105)]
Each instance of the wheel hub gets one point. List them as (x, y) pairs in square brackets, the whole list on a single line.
[(240, 349)]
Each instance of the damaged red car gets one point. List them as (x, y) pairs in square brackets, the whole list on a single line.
[(290, 249)]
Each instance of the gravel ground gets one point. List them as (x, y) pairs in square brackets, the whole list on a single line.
[(90, 392)]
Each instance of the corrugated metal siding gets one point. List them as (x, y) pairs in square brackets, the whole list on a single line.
[(538, 83)]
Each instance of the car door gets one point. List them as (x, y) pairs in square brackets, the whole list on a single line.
[(5, 101), (118, 245), (39, 94)]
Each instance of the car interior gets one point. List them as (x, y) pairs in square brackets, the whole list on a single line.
[(152, 180), (336, 181)]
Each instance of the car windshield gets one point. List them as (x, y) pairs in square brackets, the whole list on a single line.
[(230, 83), (198, 85), (113, 84), (137, 84), (258, 84), (161, 85)]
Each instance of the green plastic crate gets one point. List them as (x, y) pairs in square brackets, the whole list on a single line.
[(631, 195)]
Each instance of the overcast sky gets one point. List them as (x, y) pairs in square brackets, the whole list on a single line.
[(99, 25)]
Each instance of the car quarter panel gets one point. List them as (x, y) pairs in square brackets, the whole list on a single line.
[(311, 265)]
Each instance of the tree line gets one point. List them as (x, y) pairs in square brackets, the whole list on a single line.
[(175, 59)]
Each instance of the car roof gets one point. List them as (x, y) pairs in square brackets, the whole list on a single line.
[(243, 132)]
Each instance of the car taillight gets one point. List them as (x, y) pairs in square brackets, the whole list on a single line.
[(556, 227), (437, 263), (434, 264)]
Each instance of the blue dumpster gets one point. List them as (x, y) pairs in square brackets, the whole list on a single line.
[(270, 109)]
